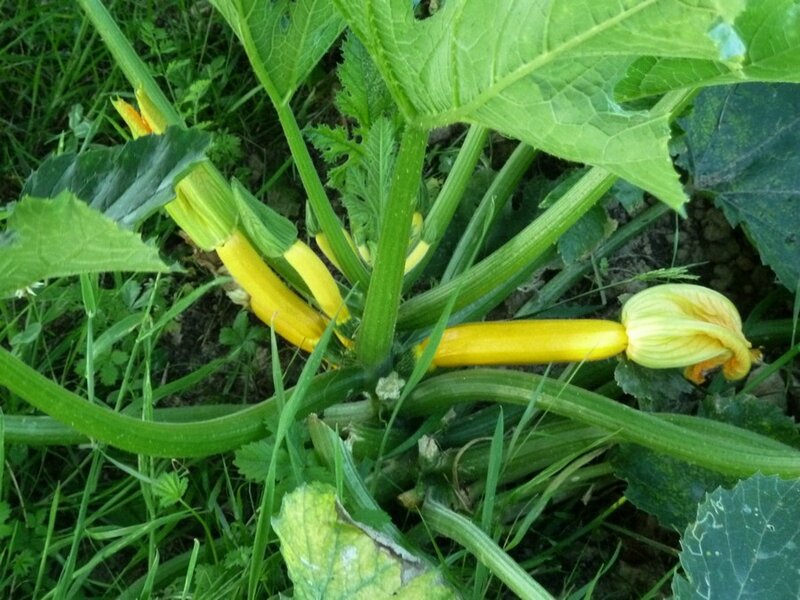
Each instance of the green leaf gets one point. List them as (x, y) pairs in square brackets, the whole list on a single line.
[(583, 237), (271, 232), (753, 414), (364, 96), (770, 33), (126, 183), (744, 148), (5, 512), (331, 556), (169, 488), (284, 39), (667, 488), (338, 149), (369, 182), (545, 72), (744, 544), (62, 236), (656, 390), (252, 460)]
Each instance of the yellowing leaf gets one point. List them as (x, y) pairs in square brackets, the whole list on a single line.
[(333, 557)]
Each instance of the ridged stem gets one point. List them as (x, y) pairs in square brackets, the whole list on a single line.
[(346, 258), (383, 297), (490, 207), (441, 213), (711, 444), (515, 255), (172, 440), (136, 72), (531, 243), (466, 533)]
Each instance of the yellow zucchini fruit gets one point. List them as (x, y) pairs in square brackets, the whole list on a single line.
[(527, 342), (319, 280), (271, 299)]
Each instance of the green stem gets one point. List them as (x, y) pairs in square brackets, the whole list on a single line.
[(463, 531), (351, 264), (478, 310), (544, 445), (526, 246), (35, 430), (711, 444), (569, 275), (512, 257), (770, 332), (383, 297), (441, 213), (135, 70), (153, 438), (490, 208)]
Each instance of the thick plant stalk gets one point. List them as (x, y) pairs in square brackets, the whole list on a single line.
[(520, 252), (172, 440), (447, 522), (446, 204), (383, 297), (710, 444), (489, 209), (479, 281)]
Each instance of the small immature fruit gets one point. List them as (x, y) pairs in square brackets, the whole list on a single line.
[(270, 299), (318, 279)]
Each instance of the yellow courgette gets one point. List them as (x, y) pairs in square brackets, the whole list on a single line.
[(527, 342), (271, 299)]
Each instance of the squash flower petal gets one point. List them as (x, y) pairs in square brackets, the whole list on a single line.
[(132, 117), (141, 122), (690, 326)]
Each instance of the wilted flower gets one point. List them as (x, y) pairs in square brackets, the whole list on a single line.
[(141, 122), (683, 325)]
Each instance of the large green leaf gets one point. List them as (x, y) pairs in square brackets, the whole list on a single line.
[(544, 71), (63, 236), (126, 183), (744, 544), (284, 39), (667, 488), (331, 556), (771, 31), (744, 148)]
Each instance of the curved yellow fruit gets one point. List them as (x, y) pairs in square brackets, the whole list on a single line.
[(416, 255), (319, 280), (270, 299), (528, 342)]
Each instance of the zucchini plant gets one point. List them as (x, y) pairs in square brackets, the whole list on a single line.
[(398, 295)]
